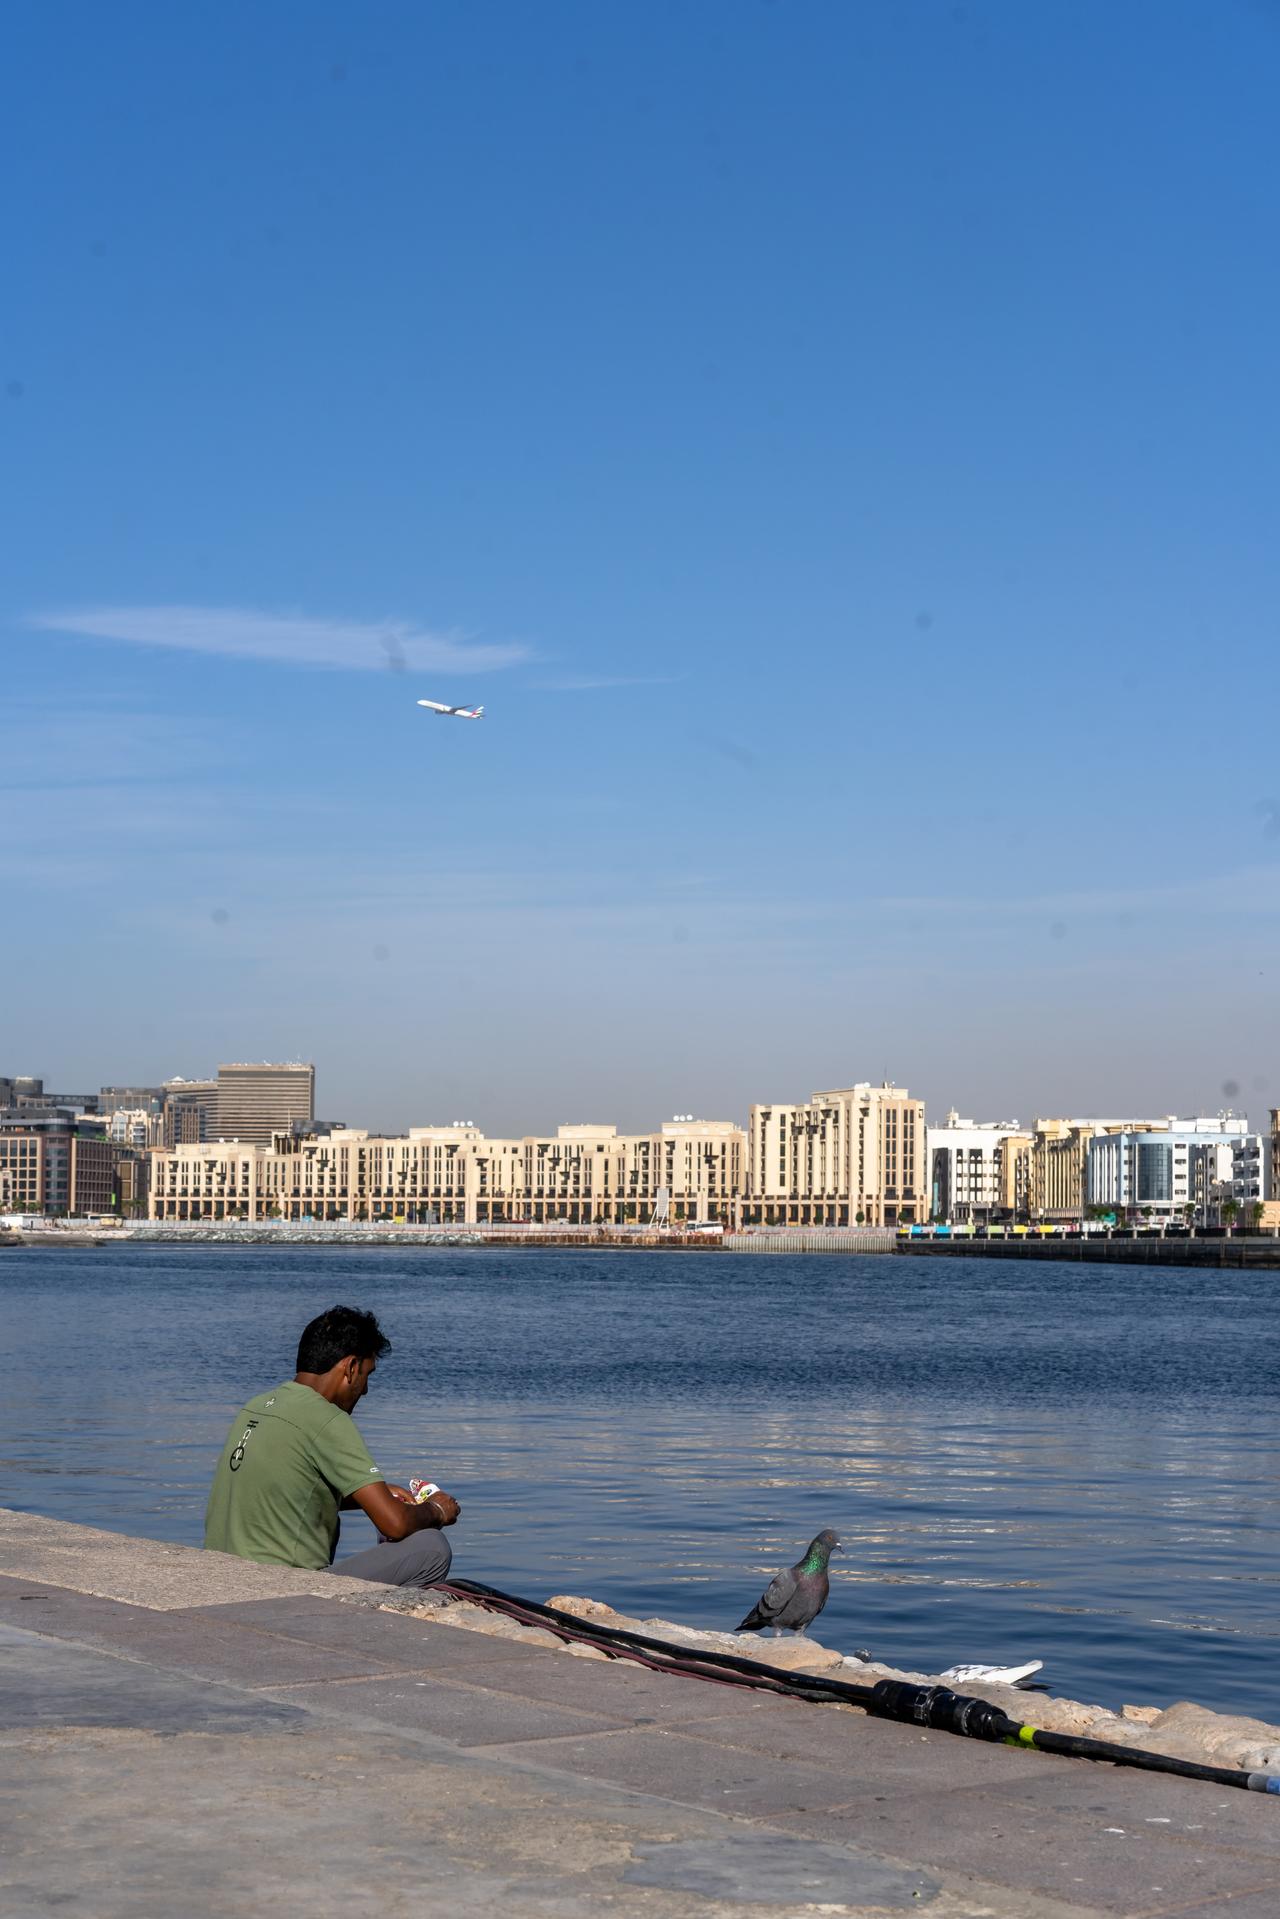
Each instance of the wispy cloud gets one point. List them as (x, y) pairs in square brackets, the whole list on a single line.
[(292, 639), (594, 683)]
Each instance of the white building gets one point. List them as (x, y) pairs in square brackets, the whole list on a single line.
[(1250, 1180), (1237, 1172), (135, 1126), (1183, 1164), (964, 1167)]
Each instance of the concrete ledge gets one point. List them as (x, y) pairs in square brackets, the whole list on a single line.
[(162, 1578), (147, 1572), (184, 1732)]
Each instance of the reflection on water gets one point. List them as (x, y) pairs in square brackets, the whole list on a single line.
[(1040, 1461)]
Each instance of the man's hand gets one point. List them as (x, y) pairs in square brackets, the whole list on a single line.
[(398, 1516), (444, 1506)]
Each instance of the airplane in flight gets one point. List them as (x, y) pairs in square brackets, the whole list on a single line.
[(454, 712)]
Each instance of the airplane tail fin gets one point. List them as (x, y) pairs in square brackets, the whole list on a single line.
[(479, 712)]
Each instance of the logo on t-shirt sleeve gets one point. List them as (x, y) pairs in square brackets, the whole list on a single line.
[(236, 1460)]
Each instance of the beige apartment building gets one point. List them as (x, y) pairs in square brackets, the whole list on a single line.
[(1013, 1175), (849, 1157), (256, 1101), (689, 1171)]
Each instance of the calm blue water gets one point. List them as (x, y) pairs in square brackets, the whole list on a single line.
[(1071, 1463)]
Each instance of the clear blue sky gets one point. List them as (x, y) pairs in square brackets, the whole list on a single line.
[(838, 442)]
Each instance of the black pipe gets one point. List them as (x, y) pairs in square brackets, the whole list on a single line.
[(900, 1699)]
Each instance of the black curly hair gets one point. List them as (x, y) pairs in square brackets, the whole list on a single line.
[(338, 1334)]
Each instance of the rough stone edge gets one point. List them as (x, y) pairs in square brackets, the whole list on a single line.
[(1181, 1731)]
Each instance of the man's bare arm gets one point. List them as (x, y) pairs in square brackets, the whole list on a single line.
[(397, 1518)]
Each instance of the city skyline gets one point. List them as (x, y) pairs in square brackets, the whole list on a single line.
[(837, 445), (630, 1115), (249, 1147)]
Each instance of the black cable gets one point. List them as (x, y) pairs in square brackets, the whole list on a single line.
[(728, 1664), (933, 1706)]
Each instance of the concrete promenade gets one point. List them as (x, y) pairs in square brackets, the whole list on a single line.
[(181, 1733)]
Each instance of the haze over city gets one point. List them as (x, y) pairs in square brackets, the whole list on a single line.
[(838, 445)]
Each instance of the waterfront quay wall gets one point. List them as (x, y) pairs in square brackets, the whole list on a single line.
[(1095, 1249), (812, 1239), (349, 1233), (1261, 1250), (795, 1239)]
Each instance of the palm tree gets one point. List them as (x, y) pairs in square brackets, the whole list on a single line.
[(1256, 1212), (1229, 1209)]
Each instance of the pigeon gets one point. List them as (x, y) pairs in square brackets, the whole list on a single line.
[(795, 1598), (1022, 1676)]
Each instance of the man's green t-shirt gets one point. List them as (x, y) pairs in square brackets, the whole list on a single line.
[(290, 1458)]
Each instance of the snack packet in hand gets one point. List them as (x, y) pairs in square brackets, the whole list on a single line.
[(421, 1489)]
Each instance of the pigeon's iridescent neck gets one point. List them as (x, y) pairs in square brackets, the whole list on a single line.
[(815, 1560)]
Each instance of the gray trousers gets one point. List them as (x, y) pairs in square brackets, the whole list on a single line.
[(419, 1560)]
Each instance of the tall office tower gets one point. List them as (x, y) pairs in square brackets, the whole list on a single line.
[(255, 1101), (190, 1111)]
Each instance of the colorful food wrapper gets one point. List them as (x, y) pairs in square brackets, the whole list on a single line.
[(421, 1489)]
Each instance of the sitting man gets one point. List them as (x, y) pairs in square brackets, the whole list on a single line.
[(294, 1457)]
